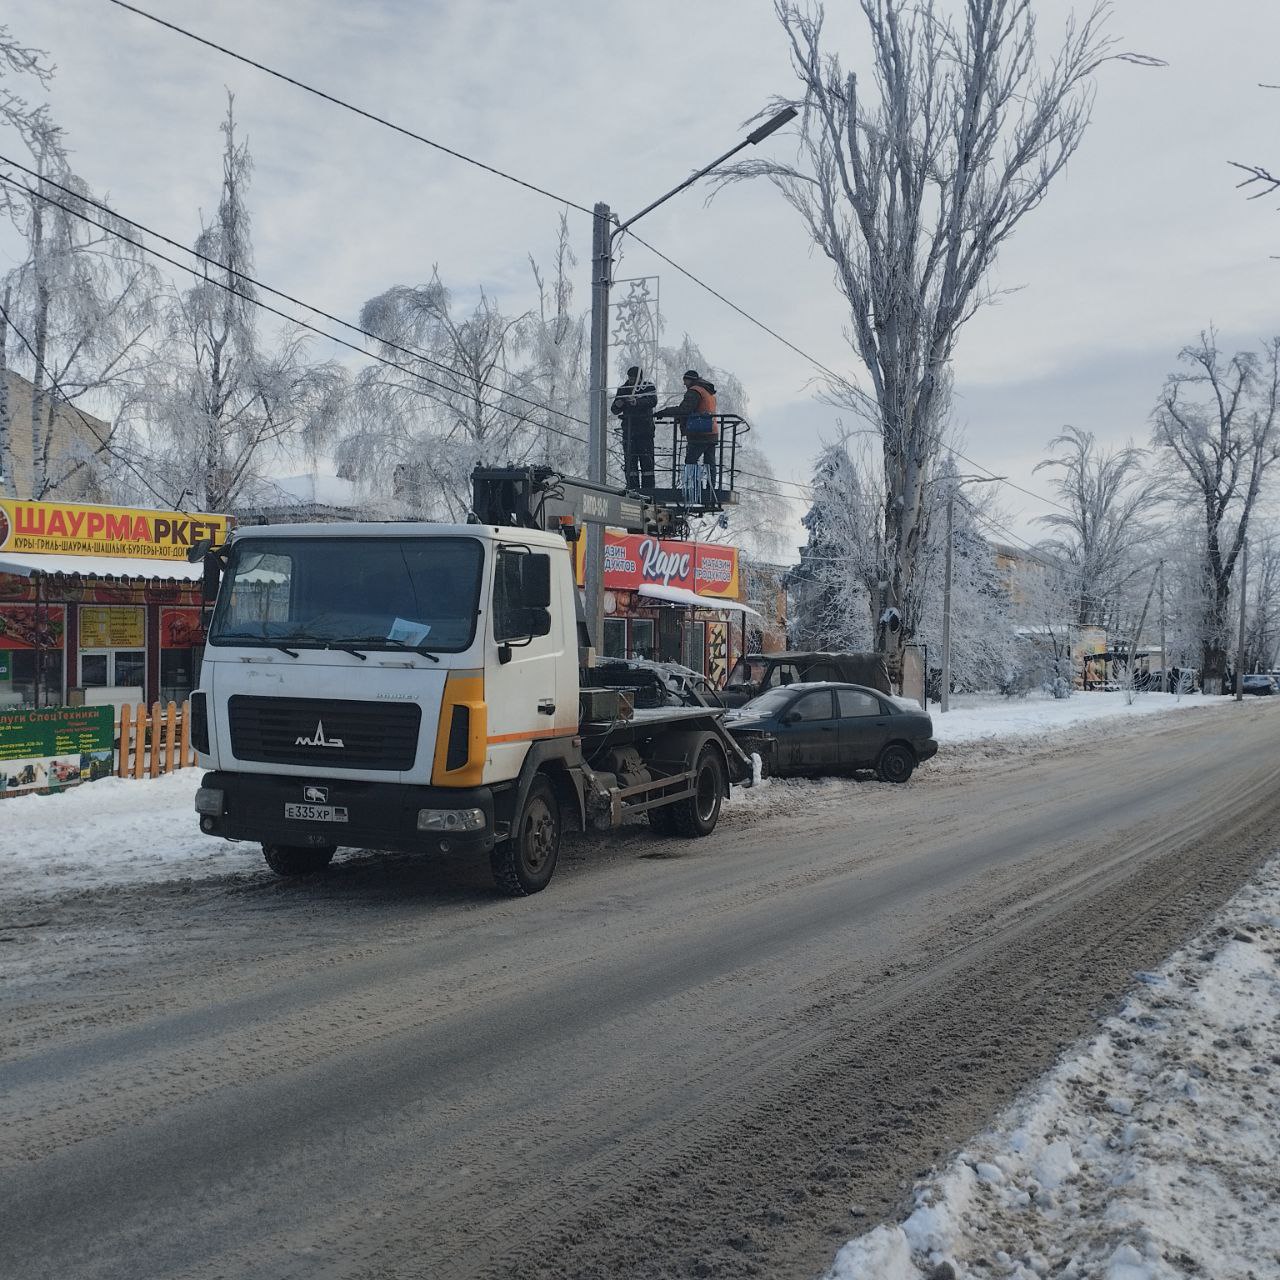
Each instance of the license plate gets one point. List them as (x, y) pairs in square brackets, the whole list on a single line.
[(316, 812)]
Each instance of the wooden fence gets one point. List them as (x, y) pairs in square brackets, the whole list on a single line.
[(153, 743)]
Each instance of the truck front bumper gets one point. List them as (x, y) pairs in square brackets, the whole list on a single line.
[(378, 815)]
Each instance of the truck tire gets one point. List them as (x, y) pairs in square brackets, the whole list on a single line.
[(525, 863), (698, 815), (896, 763), (297, 860)]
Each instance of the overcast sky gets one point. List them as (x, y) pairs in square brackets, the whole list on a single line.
[(1142, 242)]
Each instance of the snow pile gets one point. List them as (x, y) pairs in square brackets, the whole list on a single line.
[(113, 831), (1148, 1154), (975, 718)]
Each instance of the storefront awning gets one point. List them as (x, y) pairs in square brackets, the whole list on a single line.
[(28, 564), (682, 595)]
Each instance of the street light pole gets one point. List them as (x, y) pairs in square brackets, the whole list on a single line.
[(603, 235), (597, 444)]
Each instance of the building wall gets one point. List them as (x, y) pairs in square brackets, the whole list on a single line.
[(69, 438)]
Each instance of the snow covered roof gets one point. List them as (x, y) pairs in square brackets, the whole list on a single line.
[(682, 595), (28, 564)]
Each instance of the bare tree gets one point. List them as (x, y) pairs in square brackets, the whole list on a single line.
[(419, 429), (1109, 500), (911, 190), (1218, 426), (1262, 627), (81, 309), (16, 59), (223, 404)]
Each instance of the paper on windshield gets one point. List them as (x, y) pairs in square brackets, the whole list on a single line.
[(408, 632)]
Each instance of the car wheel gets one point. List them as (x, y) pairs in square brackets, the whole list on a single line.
[(298, 860), (896, 763)]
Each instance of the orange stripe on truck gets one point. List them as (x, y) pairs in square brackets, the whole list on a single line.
[(532, 734)]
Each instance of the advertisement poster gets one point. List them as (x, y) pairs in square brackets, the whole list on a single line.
[(53, 749), (28, 627), (630, 560), (180, 628), (72, 529)]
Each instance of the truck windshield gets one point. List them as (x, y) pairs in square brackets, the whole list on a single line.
[(370, 593)]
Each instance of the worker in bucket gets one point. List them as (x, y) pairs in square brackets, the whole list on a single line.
[(696, 416), (634, 406)]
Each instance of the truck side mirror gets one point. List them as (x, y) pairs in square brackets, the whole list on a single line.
[(211, 578)]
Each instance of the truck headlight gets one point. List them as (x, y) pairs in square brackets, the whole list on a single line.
[(450, 819), (209, 800)]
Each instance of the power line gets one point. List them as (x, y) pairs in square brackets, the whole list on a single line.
[(348, 106), (266, 288), (54, 385), (417, 137), (182, 266)]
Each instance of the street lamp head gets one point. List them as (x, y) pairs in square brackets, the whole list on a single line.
[(785, 116)]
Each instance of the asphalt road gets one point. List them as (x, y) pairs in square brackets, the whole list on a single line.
[(719, 1058)]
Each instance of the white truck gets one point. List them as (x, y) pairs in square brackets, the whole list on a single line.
[(416, 686)]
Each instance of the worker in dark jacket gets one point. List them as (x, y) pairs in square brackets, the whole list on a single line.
[(634, 405), (696, 416)]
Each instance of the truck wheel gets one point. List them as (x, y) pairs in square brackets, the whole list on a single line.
[(525, 863), (896, 763), (297, 860), (698, 815)]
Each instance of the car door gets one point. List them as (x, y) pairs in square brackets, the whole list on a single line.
[(865, 727), (808, 734)]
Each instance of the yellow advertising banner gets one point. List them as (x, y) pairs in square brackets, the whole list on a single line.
[(111, 627), (70, 529)]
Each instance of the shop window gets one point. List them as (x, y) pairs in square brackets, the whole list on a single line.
[(23, 684), (615, 638), (93, 670), (177, 674), (131, 668), (694, 650), (644, 638)]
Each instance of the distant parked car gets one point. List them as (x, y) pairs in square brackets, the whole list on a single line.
[(756, 673), (1261, 684), (817, 728)]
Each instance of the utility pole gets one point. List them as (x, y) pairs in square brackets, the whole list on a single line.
[(1142, 622), (598, 440), (603, 234), (1244, 597), (1164, 657), (944, 700)]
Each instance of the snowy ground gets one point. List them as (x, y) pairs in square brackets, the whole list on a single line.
[(976, 717), (1148, 1153), (126, 832)]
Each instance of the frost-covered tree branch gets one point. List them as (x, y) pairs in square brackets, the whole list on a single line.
[(1110, 499)]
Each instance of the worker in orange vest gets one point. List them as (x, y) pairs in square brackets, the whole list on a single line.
[(696, 416)]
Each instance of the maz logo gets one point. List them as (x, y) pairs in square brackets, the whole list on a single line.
[(316, 795), (318, 739)]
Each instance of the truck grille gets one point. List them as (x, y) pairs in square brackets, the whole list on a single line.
[(325, 733)]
